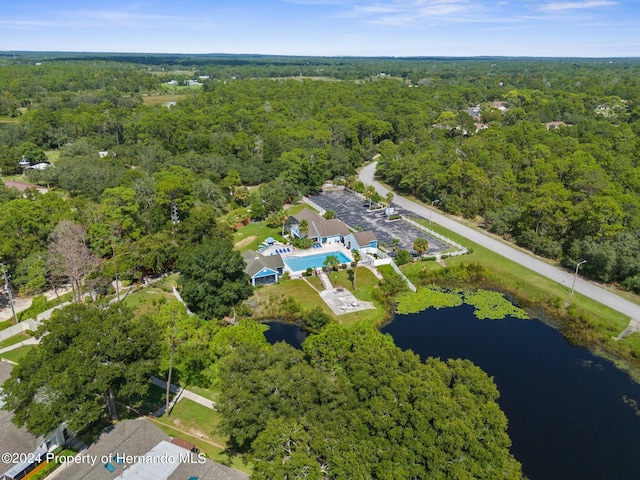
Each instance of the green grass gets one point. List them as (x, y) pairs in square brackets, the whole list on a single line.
[(18, 354), (8, 119), (151, 100), (209, 393), (201, 423), (13, 340), (215, 453), (52, 155), (251, 236), (147, 300), (316, 282), (366, 283), (266, 299)]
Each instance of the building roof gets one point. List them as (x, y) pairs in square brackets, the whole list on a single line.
[(256, 262), (13, 439), (364, 238), (137, 440), (320, 226)]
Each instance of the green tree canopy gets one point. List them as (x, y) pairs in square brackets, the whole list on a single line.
[(89, 358), (356, 406), (212, 278)]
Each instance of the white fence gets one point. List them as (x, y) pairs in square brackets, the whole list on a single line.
[(387, 260), (313, 204), (30, 324), (460, 250)]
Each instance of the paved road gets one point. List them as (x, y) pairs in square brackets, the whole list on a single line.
[(562, 277)]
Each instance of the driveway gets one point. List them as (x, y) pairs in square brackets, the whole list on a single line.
[(564, 278), (354, 212)]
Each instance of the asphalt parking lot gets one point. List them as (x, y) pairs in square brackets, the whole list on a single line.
[(354, 212)]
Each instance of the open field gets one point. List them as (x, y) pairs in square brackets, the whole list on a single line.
[(151, 100)]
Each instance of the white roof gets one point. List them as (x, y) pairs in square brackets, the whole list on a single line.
[(157, 464)]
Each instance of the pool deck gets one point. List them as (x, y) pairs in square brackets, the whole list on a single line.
[(339, 300), (295, 252)]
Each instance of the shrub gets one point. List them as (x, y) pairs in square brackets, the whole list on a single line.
[(302, 243), (403, 256), (314, 320), (308, 272), (38, 305)]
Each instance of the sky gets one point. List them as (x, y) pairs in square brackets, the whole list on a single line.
[(539, 28)]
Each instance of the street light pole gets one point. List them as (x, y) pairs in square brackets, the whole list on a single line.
[(431, 212), (8, 289), (575, 275)]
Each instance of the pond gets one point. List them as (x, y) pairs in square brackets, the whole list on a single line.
[(568, 410)]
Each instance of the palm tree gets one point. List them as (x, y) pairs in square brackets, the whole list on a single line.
[(389, 198), (281, 218), (369, 192), (303, 227), (421, 246), (331, 262), (356, 258), (395, 243)]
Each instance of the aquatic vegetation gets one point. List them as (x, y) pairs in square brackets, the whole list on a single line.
[(492, 305), (488, 304), (426, 298)]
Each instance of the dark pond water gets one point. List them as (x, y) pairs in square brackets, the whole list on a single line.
[(285, 332), (567, 416)]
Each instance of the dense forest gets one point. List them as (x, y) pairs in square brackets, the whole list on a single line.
[(543, 152), (151, 161)]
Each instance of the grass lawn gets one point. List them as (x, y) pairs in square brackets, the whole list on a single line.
[(366, 283), (513, 278), (209, 393), (316, 282), (251, 236), (8, 119), (18, 354), (266, 300), (147, 299), (214, 452), (52, 155), (13, 340), (151, 100), (203, 426)]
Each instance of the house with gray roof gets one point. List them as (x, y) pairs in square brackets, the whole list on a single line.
[(13, 439), (263, 269), (138, 450), (365, 242), (321, 230)]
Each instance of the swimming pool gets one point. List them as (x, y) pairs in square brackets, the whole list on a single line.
[(300, 264)]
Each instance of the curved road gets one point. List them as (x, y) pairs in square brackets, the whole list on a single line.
[(562, 277)]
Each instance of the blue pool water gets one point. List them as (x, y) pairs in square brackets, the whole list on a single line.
[(300, 264)]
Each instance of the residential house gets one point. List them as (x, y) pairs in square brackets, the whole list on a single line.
[(263, 269), (320, 229), (137, 449), (365, 242)]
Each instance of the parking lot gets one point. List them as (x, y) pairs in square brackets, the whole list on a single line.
[(354, 212)]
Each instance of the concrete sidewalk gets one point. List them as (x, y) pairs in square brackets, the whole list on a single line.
[(180, 394)]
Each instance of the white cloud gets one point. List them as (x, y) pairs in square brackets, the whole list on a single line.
[(415, 12), (562, 6)]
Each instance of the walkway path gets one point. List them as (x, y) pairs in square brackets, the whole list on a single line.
[(564, 278), (28, 341), (180, 394)]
